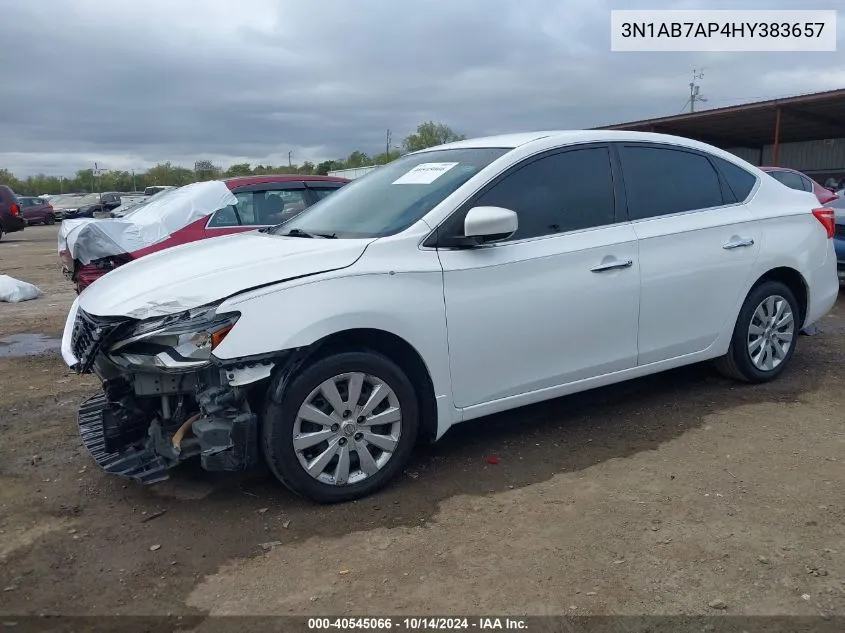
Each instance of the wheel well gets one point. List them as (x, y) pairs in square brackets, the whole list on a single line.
[(400, 352), (793, 280)]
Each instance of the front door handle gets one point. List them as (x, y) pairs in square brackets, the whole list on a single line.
[(738, 243), (612, 265)]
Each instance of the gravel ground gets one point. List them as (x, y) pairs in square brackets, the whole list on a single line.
[(681, 493)]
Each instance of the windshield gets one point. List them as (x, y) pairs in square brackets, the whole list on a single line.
[(391, 198)]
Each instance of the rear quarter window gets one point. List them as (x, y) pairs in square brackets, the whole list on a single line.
[(740, 181)]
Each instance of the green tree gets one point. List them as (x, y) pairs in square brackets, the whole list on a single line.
[(430, 134), (161, 174), (8, 178), (384, 158), (240, 169), (206, 170), (181, 176), (329, 165), (357, 159)]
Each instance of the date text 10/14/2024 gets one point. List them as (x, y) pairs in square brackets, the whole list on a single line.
[(417, 624)]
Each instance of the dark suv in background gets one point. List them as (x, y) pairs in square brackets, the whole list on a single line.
[(10, 212)]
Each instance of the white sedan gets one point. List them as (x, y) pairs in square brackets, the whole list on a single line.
[(453, 283)]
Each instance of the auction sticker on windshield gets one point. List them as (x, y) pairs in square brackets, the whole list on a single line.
[(424, 174)]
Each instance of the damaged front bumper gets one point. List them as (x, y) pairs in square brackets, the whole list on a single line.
[(128, 440), (148, 420)]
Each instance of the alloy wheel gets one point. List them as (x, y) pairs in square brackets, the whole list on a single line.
[(347, 428), (770, 332)]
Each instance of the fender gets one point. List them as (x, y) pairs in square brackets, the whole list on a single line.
[(297, 314)]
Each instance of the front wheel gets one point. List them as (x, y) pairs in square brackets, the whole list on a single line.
[(345, 426), (764, 336)]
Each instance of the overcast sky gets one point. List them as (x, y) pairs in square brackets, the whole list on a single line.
[(129, 83)]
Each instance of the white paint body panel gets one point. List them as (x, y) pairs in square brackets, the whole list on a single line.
[(689, 282), (509, 324), (198, 273), (530, 315)]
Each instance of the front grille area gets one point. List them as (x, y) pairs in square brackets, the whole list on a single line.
[(87, 337)]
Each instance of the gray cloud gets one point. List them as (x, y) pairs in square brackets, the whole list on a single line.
[(131, 84)]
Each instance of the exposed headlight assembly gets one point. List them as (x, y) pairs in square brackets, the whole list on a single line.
[(178, 342)]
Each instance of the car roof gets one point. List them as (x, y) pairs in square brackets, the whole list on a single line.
[(244, 181), (571, 137), (770, 168)]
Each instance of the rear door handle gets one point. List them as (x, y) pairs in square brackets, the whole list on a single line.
[(612, 265), (738, 243)]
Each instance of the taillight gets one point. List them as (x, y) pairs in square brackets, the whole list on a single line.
[(828, 219), (14, 209)]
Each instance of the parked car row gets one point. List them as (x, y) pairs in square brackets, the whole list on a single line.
[(453, 283)]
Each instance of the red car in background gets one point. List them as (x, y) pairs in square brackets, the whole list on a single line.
[(796, 180), (261, 201), (36, 210)]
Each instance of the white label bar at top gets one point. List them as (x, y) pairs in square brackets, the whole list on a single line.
[(723, 31)]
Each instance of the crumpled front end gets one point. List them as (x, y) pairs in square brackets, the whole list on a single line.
[(165, 399)]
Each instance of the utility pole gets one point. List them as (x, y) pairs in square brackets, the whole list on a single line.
[(94, 179), (694, 89), (387, 145), (134, 187), (290, 163)]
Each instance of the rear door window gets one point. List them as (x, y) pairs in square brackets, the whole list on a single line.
[(664, 180)]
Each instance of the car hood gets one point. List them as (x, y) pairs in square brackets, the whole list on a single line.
[(199, 273)]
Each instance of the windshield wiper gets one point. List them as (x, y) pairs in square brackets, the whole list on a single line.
[(297, 233), (301, 233)]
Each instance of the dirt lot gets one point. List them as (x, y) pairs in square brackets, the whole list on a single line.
[(654, 497)]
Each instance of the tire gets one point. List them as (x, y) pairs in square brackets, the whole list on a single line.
[(49, 219), (1, 232), (282, 421), (743, 361)]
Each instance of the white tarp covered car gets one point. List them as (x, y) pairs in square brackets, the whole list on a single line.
[(87, 239), (84, 241)]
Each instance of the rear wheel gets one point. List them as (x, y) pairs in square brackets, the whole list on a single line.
[(765, 335), (49, 219), (346, 425)]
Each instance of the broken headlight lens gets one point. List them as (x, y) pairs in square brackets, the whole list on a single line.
[(176, 342)]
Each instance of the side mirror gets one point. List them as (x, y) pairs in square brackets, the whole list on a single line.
[(489, 224)]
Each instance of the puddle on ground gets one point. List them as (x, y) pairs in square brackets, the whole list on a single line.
[(20, 345)]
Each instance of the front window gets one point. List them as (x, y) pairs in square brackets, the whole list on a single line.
[(391, 198)]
